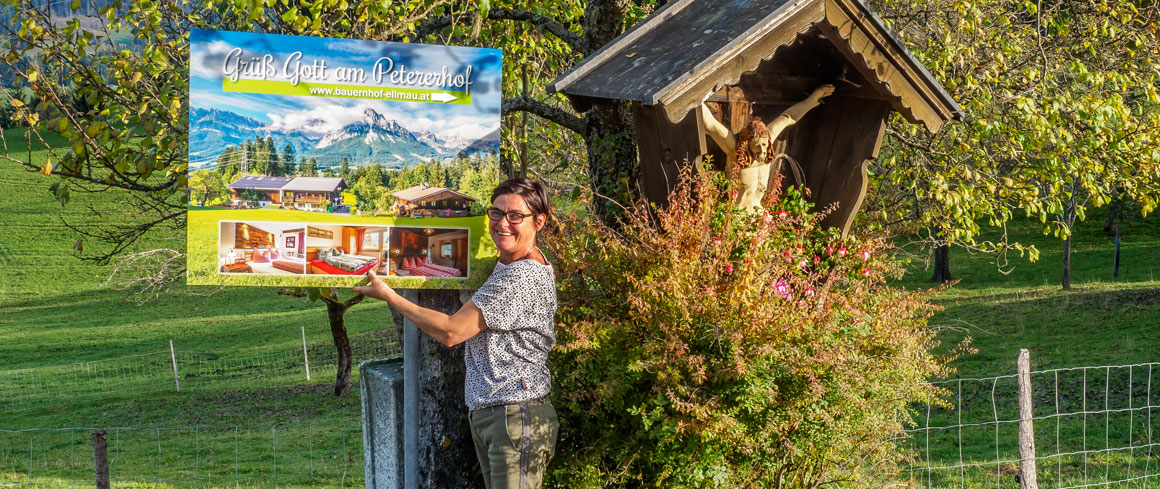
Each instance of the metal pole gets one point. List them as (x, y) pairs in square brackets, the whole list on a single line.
[(101, 459), (305, 357), (173, 356), (1027, 477)]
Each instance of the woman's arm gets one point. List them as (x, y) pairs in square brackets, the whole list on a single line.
[(449, 330)]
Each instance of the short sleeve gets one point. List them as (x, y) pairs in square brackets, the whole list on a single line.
[(504, 297)]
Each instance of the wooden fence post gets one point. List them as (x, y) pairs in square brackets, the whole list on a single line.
[(1027, 477), (173, 356), (305, 357), (101, 459)]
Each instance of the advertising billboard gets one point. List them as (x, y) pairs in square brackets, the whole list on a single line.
[(293, 143)]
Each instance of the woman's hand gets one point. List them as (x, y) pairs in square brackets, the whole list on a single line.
[(376, 288)]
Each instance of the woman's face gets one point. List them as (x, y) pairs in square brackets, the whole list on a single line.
[(514, 239)]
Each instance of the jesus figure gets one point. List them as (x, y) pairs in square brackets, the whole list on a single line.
[(747, 153)]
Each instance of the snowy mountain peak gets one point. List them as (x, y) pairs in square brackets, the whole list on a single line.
[(378, 121)]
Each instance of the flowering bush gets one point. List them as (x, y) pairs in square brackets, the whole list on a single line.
[(703, 346)]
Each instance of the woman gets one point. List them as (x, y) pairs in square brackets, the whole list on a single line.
[(508, 330)]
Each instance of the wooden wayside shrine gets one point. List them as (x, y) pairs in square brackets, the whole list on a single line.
[(755, 58)]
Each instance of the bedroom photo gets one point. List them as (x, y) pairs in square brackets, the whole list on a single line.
[(428, 252), (261, 248), (334, 249)]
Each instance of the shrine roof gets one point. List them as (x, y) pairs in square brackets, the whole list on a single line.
[(687, 49)]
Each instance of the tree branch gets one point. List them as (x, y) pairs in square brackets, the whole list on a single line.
[(544, 23), (545, 111)]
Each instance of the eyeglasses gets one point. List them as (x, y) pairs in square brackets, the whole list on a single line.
[(513, 217)]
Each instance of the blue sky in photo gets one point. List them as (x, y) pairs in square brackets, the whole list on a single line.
[(208, 49)]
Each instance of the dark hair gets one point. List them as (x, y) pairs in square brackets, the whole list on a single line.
[(533, 192)]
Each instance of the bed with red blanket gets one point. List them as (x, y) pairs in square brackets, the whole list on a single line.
[(333, 262), (320, 267)]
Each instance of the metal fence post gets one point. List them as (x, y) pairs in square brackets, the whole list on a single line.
[(1027, 477), (101, 459)]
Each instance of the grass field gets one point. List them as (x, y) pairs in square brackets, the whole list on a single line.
[(53, 312), (245, 415), (1103, 320)]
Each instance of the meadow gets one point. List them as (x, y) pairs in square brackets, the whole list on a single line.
[(75, 356), (1102, 322)]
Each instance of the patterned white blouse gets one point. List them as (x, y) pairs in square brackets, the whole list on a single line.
[(507, 361)]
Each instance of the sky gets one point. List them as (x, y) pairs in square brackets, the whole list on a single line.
[(318, 115)]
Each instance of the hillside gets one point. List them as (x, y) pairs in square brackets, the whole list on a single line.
[(1102, 320)]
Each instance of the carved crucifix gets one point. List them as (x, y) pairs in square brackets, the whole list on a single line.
[(747, 153)]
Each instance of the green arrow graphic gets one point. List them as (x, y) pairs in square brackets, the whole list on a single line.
[(307, 89)]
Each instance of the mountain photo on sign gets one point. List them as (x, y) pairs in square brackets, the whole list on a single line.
[(367, 102)]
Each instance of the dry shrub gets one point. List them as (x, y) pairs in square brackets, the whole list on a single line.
[(701, 346)]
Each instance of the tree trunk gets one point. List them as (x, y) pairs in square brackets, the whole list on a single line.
[(446, 451), (608, 135), (1067, 263), (1110, 226), (612, 164), (336, 311), (942, 260), (1069, 220)]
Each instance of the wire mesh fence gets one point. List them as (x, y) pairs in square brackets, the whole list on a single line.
[(1093, 427), (297, 455), (36, 388)]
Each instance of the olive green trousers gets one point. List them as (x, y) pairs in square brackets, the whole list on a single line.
[(514, 443)]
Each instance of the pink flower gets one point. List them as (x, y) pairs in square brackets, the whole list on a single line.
[(786, 252), (728, 268), (767, 217), (865, 255), (865, 272), (799, 245), (817, 259), (746, 260), (842, 251), (802, 263), (829, 251), (809, 291), (717, 241), (782, 214), (782, 288)]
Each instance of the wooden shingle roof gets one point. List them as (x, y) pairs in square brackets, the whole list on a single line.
[(421, 191), (688, 49)]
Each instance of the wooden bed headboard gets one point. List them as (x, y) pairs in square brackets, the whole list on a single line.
[(311, 253)]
